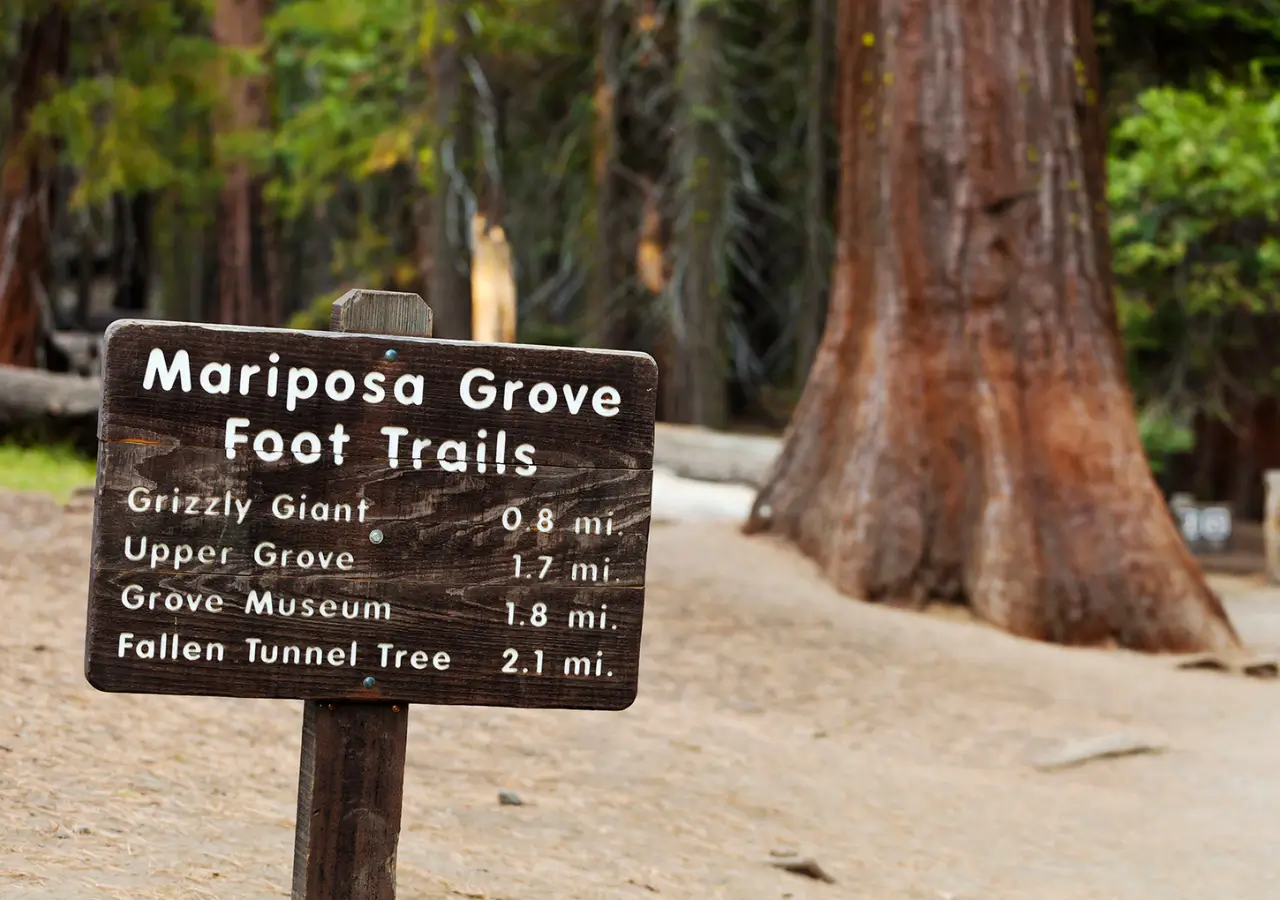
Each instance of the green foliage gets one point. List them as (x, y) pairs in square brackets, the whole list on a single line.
[(1197, 15), (133, 117), (549, 334), (51, 469), (315, 316), (1163, 435), (1194, 166), (1195, 202), (351, 78)]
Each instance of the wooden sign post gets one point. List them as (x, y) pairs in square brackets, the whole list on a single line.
[(351, 766), (363, 519)]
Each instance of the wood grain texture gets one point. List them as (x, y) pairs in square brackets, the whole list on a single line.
[(350, 797), (559, 437), (473, 625), (437, 527), (351, 770), (422, 560), (381, 312)]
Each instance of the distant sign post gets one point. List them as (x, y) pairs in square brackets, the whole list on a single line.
[(1206, 528), (364, 520)]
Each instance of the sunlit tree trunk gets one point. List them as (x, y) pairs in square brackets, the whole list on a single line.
[(493, 284), (967, 432), (25, 172), (248, 242), (697, 391)]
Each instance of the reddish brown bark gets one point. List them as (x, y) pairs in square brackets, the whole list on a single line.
[(24, 187), (967, 432), (248, 243)]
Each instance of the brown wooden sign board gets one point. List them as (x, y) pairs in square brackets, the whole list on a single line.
[(337, 516)]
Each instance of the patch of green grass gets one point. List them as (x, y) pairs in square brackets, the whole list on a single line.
[(55, 470)]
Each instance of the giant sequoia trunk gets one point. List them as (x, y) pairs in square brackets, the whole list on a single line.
[(967, 433), (24, 187), (248, 238)]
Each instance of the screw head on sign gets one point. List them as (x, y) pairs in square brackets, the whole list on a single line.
[(370, 681), (390, 356), (375, 536)]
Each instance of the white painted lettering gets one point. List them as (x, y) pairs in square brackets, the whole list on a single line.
[(222, 373), (268, 555), (524, 454), (481, 397), (337, 439), (413, 396), (459, 451), (340, 385), (605, 401), (509, 393), (574, 402), (305, 447), (268, 436), (246, 375), (177, 372), (302, 386), (393, 433), (542, 397), (233, 435), (373, 390)]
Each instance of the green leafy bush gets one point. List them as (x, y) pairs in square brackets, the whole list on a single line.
[(1195, 199)]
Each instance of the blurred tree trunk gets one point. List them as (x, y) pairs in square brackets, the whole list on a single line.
[(603, 322), (248, 233), (25, 173), (697, 391), (450, 291), (816, 262), (967, 432), (133, 251)]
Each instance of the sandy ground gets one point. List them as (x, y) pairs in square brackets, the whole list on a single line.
[(774, 715)]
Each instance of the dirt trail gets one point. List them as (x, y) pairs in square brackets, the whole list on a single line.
[(773, 715)]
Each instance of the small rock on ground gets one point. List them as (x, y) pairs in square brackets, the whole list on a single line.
[(1106, 746)]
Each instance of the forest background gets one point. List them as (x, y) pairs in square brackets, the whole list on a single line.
[(645, 174)]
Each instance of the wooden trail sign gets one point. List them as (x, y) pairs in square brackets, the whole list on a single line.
[(362, 519), (325, 515)]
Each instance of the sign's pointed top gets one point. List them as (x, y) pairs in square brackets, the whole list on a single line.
[(381, 312)]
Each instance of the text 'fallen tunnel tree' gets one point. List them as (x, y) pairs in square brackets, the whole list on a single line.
[(967, 432)]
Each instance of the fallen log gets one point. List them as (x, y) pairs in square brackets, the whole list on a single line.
[(705, 455), (36, 405)]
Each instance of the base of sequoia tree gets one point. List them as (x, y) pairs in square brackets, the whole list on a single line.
[(967, 432), (915, 474), (1116, 575)]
